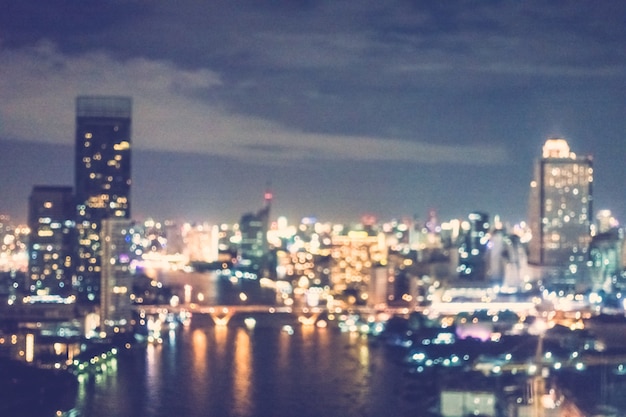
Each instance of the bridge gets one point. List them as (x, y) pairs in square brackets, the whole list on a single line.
[(222, 314)]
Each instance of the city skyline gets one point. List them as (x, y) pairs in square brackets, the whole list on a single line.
[(345, 109)]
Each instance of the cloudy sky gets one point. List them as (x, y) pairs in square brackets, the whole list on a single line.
[(390, 108)]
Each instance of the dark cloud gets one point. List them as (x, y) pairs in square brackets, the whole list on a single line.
[(453, 85)]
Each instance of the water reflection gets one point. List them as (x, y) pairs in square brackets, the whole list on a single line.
[(364, 356), (232, 371), (153, 376), (242, 372), (220, 334), (91, 385), (199, 350), (284, 353)]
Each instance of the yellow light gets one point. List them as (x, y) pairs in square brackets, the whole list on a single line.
[(120, 290), (30, 347), (122, 146)]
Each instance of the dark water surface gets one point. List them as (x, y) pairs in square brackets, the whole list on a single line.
[(205, 370)]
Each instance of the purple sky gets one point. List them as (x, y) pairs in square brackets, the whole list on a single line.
[(390, 108)]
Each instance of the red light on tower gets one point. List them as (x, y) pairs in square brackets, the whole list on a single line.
[(267, 196)]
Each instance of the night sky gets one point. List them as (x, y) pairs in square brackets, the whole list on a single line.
[(390, 108)]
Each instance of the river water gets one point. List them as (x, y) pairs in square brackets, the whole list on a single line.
[(207, 370), (271, 371)]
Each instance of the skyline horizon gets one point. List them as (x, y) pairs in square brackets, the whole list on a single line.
[(249, 199)]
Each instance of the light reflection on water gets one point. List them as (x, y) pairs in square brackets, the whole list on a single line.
[(231, 371), (153, 376), (242, 372), (219, 371)]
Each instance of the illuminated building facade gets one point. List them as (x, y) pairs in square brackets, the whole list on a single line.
[(378, 289), (254, 247), (473, 247), (116, 277), (103, 180), (353, 256), (201, 243), (605, 252), (51, 243), (560, 209)]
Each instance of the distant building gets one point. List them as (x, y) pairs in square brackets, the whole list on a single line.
[(116, 276), (606, 256), (201, 243), (473, 248), (468, 402), (605, 222), (507, 262), (353, 255), (51, 242), (175, 240), (560, 212), (254, 247), (381, 279), (103, 180)]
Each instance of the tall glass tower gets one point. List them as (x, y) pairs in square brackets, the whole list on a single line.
[(103, 180), (51, 242), (560, 209)]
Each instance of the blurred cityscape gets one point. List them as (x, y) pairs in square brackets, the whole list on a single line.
[(83, 279)]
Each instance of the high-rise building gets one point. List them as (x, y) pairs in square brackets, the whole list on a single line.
[(353, 255), (201, 243), (116, 276), (103, 180), (560, 210), (51, 243), (254, 248), (473, 247)]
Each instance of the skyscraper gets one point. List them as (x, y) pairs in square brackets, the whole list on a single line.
[(560, 210), (51, 242), (116, 276), (473, 248), (103, 180), (254, 248)]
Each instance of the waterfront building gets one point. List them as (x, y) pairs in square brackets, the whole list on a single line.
[(117, 274), (175, 243), (103, 181), (254, 247), (13, 247), (353, 254), (378, 289), (560, 213), (51, 242), (18, 346), (201, 242)]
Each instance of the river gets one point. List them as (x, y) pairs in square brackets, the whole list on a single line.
[(207, 370)]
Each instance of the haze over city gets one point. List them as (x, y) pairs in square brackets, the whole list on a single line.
[(344, 108)]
